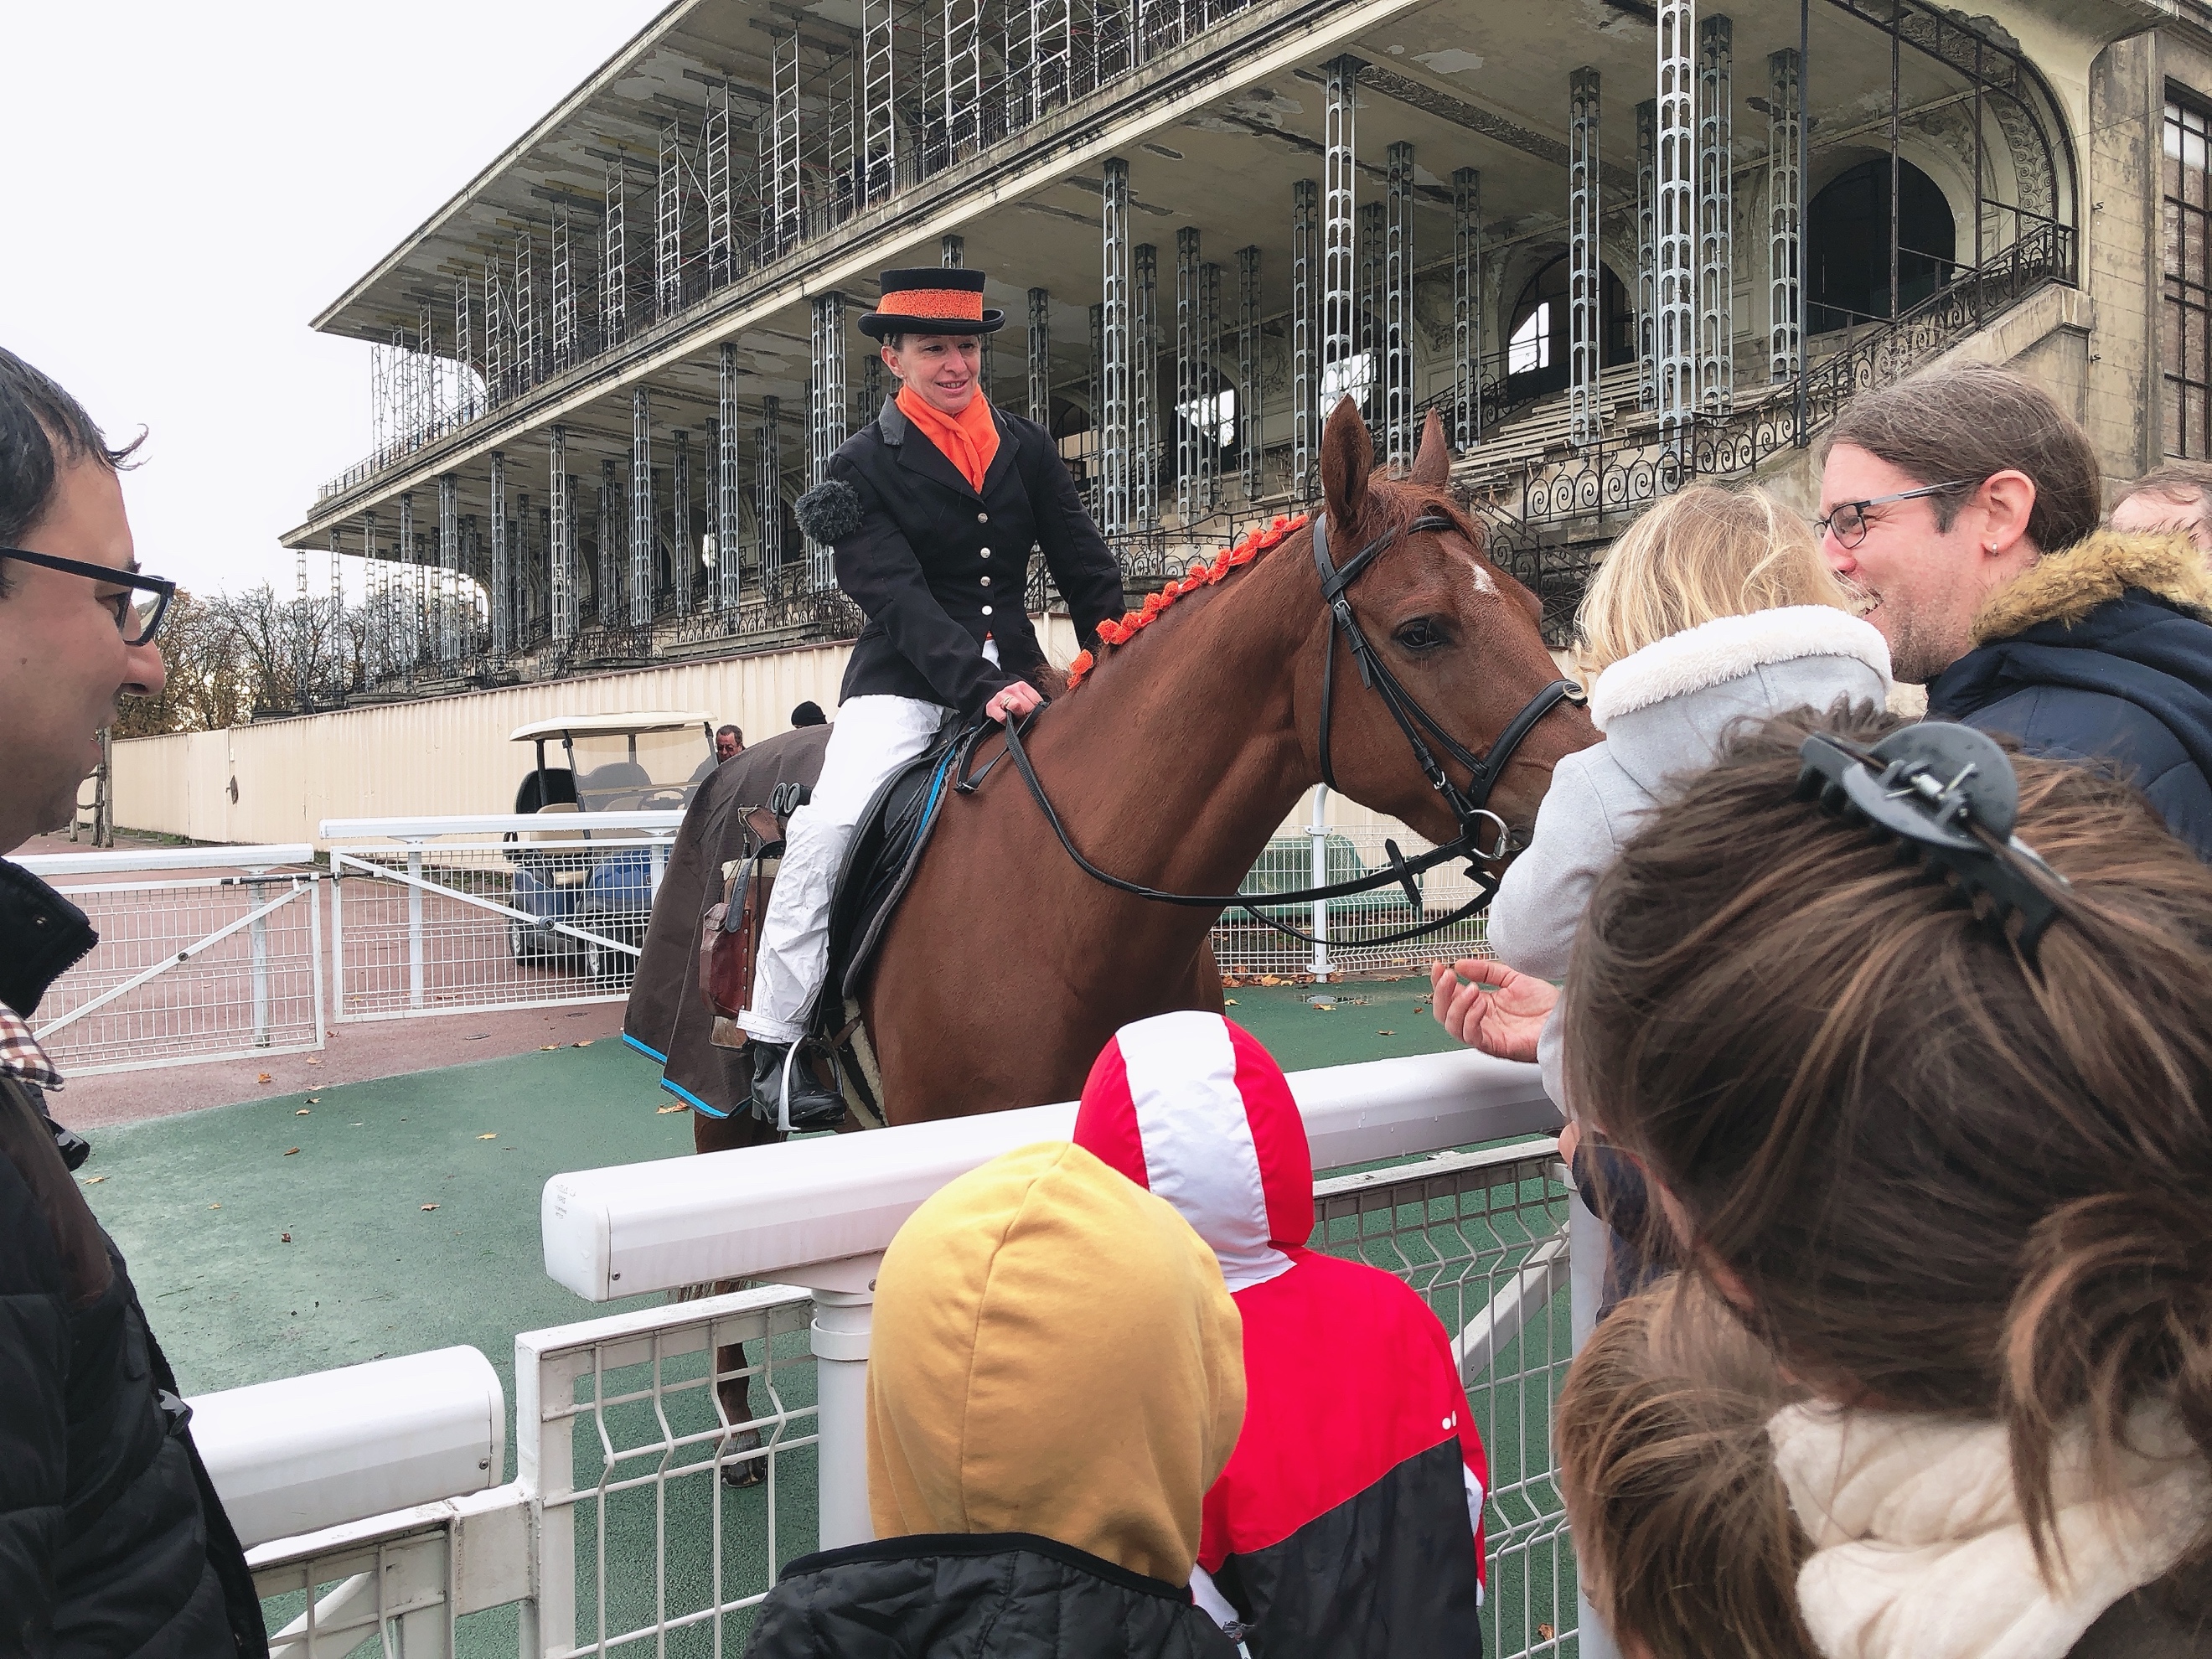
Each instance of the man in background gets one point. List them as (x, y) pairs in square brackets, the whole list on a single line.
[(112, 1541), (2176, 497), (729, 742), (809, 713)]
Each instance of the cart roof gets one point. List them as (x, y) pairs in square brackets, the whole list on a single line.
[(603, 725)]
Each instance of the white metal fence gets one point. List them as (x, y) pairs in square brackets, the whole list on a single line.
[(1347, 927), (620, 1534), (204, 953)]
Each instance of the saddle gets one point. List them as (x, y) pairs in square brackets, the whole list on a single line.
[(887, 848)]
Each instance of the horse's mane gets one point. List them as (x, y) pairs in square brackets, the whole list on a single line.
[(1390, 509)]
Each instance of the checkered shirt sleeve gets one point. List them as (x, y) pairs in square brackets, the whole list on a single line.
[(21, 1057)]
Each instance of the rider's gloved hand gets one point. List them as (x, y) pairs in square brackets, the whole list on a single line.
[(1016, 701)]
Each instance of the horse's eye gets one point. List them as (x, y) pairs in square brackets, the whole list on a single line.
[(1421, 634)]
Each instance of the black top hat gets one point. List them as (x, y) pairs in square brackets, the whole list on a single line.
[(931, 300)]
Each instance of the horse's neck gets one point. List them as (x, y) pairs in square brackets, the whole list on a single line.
[(1183, 752)]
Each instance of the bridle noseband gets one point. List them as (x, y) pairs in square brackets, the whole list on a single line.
[(1469, 807)]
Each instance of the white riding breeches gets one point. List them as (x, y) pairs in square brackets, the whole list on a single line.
[(873, 737)]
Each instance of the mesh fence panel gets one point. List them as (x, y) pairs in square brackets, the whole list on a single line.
[(1245, 947)]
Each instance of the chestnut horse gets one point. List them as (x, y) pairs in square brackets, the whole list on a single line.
[(1006, 967)]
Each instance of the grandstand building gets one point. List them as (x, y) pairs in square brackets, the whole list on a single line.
[(1616, 245)]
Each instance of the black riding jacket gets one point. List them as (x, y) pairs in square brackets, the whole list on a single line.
[(936, 566), (113, 1542)]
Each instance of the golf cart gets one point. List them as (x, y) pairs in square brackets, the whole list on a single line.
[(640, 762)]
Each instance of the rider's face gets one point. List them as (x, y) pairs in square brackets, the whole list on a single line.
[(941, 368)]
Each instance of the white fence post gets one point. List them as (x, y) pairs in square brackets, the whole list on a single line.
[(259, 934), (844, 1311), (545, 1461), (1588, 1256), (415, 926), (1319, 831)]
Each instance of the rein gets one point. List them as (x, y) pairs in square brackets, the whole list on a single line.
[(1469, 807)]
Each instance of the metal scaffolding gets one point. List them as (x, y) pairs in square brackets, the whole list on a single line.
[(502, 573), (465, 407), (499, 323), (1676, 310), (729, 553), (1467, 308), (668, 223), (373, 573), (642, 582), (1338, 245), (1209, 348), (963, 78), (1190, 388), (1040, 355), (1364, 383), (1117, 427), (614, 267), (410, 589), (722, 261), (567, 350), (785, 200), (610, 540), (1585, 266), (682, 549), (1716, 218), (1144, 383), (878, 89), (830, 407), (1785, 202), (1647, 253), (768, 499), (1250, 440), (1398, 309), (444, 621), (561, 490), (1052, 38), (1304, 335)]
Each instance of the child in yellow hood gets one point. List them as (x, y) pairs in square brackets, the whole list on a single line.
[(1055, 1378)]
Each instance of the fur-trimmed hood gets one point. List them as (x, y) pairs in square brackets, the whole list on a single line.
[(1730, 647), (2065, 586)]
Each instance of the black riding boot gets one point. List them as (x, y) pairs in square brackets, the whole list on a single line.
[(813, 1106)]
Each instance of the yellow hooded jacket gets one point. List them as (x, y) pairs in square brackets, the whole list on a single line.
[(1054, 1353)]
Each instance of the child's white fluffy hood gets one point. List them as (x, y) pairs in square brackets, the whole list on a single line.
[(1730, 647)]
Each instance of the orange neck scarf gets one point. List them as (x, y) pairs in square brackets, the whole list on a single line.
[(967, 440)]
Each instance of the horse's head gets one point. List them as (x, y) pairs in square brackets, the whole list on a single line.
[(1458, 635)]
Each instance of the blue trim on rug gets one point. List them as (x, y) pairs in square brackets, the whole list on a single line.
[(653, 1055), (692, 1100)]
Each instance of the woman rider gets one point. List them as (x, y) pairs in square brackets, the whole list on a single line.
[(933, 511)]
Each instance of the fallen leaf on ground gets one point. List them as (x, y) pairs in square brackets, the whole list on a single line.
[(1386, 1034), (1324, 1007), (294, 1150), (586, 1044), (492, 1137), (1544, 1632), (313, 1062), (215, 1206), (429, 1206), (1228, 1002), (264, 1078), (93, 1181), (663, 1111), (547, 1048), (284, 1238), (302, 1112)]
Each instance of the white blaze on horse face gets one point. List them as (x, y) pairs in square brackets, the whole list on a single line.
[(1482, 584), (1198, 1152)]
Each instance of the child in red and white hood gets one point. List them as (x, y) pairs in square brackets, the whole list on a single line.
[(1348, 1521)]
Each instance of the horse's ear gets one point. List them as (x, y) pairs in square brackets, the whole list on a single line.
[(1348, 455), (1433, 461)]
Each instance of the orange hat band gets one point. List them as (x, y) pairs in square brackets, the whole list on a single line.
[(953, 304)]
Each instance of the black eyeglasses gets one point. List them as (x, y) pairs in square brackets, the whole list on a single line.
[(138, 612), (1846, 520)]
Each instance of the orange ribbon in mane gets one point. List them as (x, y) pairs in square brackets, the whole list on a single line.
[(1201, 575), (967, 440)]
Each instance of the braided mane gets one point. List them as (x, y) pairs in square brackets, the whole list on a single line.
[(1202, 574)]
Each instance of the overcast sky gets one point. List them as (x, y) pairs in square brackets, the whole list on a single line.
[(192, 183)]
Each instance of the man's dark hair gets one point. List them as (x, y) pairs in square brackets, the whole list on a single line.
[(35, 414), (809, 713), (733, 731), (2185, 483), (1967, 422)]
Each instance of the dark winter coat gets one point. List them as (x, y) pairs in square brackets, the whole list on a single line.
[(2102, 651), (936, 566), (113, 1542), (978, 1596)]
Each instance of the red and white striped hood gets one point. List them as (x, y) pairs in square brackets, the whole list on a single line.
[(1191, 1106)]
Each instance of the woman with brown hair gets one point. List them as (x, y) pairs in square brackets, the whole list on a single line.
[(1947, 1160)]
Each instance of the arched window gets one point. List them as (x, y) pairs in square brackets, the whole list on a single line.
[(1536, 343), (1847, 244)]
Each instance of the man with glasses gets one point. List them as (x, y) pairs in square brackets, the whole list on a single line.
[(1963, 504), (112, 1539)]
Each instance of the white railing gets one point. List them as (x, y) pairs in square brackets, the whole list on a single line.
[(190, 966), (508, 910), (621, 1532)]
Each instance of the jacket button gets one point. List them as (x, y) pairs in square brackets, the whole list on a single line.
[(986, 581), (982, 518), (987, 553), (987, 609)]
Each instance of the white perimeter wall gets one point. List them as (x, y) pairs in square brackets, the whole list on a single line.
[(451, 755)]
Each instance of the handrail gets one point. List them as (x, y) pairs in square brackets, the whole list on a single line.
[(774, 1211), (658, 822), (265, 856)]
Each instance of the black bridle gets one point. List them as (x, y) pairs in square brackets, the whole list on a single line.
[(1469, 807)]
